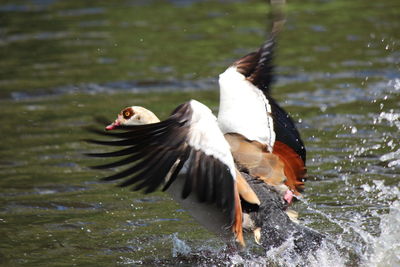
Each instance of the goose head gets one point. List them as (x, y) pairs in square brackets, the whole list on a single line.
[(134, 115)]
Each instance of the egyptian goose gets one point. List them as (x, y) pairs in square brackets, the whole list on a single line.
[(252, 137)]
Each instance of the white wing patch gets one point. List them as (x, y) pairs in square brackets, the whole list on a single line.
[(244, 109), (205, 135)]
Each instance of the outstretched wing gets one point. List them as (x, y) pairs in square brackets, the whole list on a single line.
[(188, 140)]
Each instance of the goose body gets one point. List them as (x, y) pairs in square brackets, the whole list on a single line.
[(244, 109), (217, 167)]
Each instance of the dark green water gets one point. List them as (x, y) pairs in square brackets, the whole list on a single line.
[(64, 62)]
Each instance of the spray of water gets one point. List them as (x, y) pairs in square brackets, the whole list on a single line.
[(370, 237)]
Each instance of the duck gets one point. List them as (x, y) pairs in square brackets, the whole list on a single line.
[(227, 170)]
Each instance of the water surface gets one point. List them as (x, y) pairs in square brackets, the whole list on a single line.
[(65, 62)]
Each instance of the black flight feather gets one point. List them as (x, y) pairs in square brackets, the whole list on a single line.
[(182, 160), (156, 153)]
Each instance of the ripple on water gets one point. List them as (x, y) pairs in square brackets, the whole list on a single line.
[(50, 205), (354, 154), (43, 190)]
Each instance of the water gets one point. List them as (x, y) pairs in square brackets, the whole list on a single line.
[(65, 62)]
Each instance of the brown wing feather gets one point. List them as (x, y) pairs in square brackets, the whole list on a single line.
[(294, 167), (245, 190), (237, 226), (253, 157)]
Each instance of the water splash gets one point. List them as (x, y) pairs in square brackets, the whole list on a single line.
[(179, 247), (392, 157), (354, 246), (387, 246)]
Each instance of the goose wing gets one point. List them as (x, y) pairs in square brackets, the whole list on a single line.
[(245, 97), (189, 140), (290, 148), (244, 90)]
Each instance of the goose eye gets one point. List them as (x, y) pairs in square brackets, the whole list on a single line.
[(138, 118), (127, 114)]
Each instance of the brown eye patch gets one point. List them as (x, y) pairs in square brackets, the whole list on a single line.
[(127, 113)]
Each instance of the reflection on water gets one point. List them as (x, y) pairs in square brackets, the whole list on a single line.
[(65, 62)]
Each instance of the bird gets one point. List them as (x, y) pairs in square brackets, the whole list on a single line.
[(252, 136)]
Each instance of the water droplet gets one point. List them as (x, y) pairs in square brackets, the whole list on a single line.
[(366, 187), (390, 143)]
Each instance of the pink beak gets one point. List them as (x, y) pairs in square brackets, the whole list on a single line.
[(113, 125)]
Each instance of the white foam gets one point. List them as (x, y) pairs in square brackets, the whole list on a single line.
[(179, 247), (392, 157), (386, 248)]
